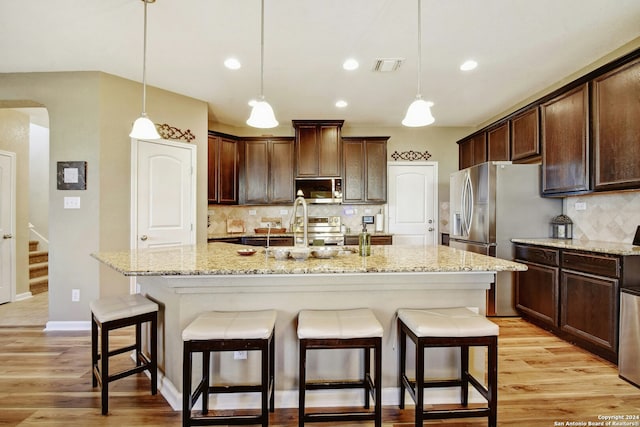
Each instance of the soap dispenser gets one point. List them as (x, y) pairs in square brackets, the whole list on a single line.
[(364, 242)]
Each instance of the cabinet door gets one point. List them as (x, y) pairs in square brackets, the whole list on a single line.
[(376, 171), (212, 169), (255, 166), (479, 148), (330, 151), (307, 151), (228, 171), (281, 181), (498, 142), (537, 293), (318, 148), (353, 176), (465, 154), (565, 158), (525, 136), (616, 128), (590, 309)]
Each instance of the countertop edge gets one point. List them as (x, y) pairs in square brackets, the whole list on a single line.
[(612, 248)]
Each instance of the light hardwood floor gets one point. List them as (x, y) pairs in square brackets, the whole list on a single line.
[(45, 380)]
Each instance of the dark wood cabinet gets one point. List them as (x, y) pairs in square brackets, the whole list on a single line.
[(525, 136), (223, 161), (498, 142), (318, 148), (273, 241), (616, 128), (472, 151), (376, 239), (565, 143), (537, 289), (267, 170), (364, 177)]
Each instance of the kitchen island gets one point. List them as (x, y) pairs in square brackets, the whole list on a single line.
[(188, 280)]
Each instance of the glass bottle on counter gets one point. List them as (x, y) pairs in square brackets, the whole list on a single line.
[(364, 242)]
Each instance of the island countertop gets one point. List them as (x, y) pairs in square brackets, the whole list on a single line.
[(223, 259)]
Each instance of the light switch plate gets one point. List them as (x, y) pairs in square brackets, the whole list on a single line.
[(72, 202)]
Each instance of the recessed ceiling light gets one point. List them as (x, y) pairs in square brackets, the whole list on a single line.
[(469, 65), (232, 63), (341, 103), (350, 64)]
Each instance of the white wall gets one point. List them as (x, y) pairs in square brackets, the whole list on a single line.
[(39, 183)]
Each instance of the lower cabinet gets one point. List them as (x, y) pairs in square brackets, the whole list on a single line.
[(352, 240), (273, 241), (575, 294)]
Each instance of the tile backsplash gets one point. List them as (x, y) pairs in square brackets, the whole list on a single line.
[(351, 215), (610, 217)]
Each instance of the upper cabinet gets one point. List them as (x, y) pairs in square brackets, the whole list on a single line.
[(616, 128), (565, 143), (223, 160), (318, 148), (364, 178), (498, 142), (473, 150), (525, 136), (267, 171)]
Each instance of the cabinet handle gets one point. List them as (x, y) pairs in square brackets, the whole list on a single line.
[(8, 236)]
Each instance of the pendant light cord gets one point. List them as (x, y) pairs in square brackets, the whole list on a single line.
[(262, 49), (144, 63), (419, 48)]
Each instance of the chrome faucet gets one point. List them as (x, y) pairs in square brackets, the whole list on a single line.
[(301, 201)]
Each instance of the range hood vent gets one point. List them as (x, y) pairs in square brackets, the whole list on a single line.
[(384, 65)]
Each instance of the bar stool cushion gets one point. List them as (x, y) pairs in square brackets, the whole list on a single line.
[(338, 324), (447, 322), (120, 307), (219, 325)]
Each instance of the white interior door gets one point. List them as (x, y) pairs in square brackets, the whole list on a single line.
[(7, 232), (413, 200), (164, 208)]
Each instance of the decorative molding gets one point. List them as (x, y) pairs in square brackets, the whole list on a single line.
[(169, 132), (411, 155)]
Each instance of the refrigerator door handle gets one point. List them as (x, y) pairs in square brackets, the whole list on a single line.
[(468, 204)]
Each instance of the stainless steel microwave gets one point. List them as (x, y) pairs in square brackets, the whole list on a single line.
[(320, 190)]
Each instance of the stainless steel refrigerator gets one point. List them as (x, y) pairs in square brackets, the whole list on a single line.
[(490, 204)]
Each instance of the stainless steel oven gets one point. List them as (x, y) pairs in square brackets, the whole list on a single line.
[(322, 230)]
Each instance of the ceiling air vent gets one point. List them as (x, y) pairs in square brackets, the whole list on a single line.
[(384, 65)]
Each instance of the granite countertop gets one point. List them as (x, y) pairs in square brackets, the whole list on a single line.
[(287, 234), (222, 259), (589, 245)]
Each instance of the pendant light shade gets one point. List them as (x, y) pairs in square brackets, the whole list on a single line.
[(262, 114), (143, 127), (419, 112)]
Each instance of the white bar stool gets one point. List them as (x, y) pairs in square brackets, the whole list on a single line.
[(448, 327), (217, 331), (110, 313), (341, 329)]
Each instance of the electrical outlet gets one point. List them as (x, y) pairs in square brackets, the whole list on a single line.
[(240, 355), (284, 212), (75, 295), (252, 212), (581, 206), (72, 202)]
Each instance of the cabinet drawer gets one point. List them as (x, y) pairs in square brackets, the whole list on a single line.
[(538, 255), (594, 264)]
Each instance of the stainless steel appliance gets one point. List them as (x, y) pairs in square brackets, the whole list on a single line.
[(321, 190), (629, 339), (490, 204), (323, 230)]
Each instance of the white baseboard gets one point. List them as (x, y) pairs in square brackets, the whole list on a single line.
[(68, 326), (23, 296)]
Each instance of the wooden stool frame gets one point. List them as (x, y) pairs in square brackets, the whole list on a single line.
[(416, 388), (367, 383), (204, 388), (100, 359)]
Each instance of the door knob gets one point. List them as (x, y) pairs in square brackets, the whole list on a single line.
[(8, 236), (143, 237), (430, 228)]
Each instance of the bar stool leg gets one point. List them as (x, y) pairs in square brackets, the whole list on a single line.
[(464, 375), (378, 409), (493, 382), (153, 353), (272, 370), (403, 363), (264, 392), (104, 370), (94, 350), (419, 391), (206, 381), (186, 384), (367, 373), (302, 381)]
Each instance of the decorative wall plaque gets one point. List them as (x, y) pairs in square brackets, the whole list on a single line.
[(72, 175), (411, 155), (169, 132)]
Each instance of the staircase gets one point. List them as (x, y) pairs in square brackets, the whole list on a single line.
[(38, 269)]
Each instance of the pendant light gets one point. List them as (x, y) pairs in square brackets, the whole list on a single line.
[(419, 112), (262, 114), (143, 127)]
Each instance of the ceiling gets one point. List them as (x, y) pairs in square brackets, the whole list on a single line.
[(522, 47)]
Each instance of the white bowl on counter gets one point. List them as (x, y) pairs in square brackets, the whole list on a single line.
[(279, 254), (324, 251), (299, 253)]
